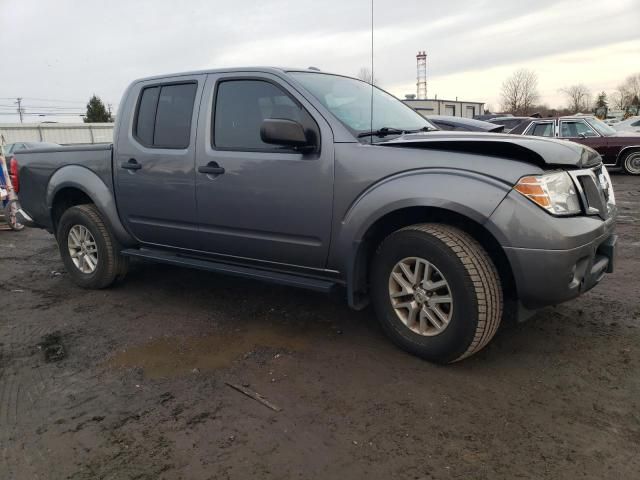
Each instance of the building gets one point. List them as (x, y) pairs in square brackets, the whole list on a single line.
[(455, 108), (62, 133)]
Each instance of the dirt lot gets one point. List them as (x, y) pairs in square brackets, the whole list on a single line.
[(141, 392)]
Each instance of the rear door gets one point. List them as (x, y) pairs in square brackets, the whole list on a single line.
[(154, 161), (540, 129), (271, 203)]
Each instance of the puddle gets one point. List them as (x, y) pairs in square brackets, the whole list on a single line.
[(173, 356), (51, 346)]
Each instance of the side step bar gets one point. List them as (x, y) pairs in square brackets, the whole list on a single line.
[(292, 280)]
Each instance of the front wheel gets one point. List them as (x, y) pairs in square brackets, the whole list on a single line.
[(89, 251), (436, 292), (631, 162)]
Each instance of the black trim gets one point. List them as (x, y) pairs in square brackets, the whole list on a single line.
[(288, 150), (313, 282), (134, 128)]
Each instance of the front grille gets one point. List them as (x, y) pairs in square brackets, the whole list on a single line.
[(596, 191)]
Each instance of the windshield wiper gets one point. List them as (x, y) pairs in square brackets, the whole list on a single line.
[(384, 131)]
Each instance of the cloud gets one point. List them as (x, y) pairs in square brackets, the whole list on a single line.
[(69, 49)]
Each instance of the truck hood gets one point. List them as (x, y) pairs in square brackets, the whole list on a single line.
[(542, 152)]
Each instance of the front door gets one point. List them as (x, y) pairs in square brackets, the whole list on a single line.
[(154, 161), (578, 130), (262, 201)]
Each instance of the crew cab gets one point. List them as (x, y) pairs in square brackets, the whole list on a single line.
[(322, 181)]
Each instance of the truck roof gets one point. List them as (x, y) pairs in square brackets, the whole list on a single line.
[(274, 70)]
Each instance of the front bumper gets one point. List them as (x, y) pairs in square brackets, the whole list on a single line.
[(553, 259), (549, 277)]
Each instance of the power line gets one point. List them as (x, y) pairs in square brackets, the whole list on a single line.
[(47, 107), (45, 100)]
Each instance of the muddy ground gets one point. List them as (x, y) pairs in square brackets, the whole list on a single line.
[(142, 393)]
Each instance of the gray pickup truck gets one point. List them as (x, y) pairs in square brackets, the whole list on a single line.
[(287, 176)]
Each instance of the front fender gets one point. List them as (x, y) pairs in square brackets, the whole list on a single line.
[(470, 194), (85, 180)]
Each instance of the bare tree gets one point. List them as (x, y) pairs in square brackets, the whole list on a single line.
[(519, 92), (365, 75), (578, 97), (620, 98), (632, 85)]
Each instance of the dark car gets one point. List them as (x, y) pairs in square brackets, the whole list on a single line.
[(447, 122), (618, 149), (509, 123), (488, 116)]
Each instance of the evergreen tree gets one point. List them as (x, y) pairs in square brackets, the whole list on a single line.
[(97, 112), (602, 100)]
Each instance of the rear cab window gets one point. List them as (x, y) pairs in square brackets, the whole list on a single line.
[(163, 115)]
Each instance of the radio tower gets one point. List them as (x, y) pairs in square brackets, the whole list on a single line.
[(421, 59)]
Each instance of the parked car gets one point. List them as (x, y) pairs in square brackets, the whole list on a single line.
[(631, 124), (284, 176), (449, 122), (488, 116), (618, 149), (509, 123)]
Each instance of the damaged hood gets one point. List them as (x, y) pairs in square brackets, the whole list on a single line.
[(543, 152)]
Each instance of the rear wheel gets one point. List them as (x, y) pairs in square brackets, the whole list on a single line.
[(89, 250), (436, 292), (631, 162)]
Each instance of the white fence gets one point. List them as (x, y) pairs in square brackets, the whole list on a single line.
[(62, 133)]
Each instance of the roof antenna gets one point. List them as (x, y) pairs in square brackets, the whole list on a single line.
[(371, 80)]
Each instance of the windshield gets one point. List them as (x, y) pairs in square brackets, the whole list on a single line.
[(350, 101), (601, 127)]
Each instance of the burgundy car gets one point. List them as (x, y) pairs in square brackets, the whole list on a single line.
[(618, 149)]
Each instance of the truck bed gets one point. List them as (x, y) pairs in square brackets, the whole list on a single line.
[(37, 167)]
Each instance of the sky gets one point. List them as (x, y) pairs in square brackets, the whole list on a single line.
[(56, 53)]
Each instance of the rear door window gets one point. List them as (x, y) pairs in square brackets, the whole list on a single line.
[(146, 115), (164, 115)]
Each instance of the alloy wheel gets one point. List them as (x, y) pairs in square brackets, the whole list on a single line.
[(82, 249), (420, 296)]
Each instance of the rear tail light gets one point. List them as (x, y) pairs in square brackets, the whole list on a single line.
[(13, 173)]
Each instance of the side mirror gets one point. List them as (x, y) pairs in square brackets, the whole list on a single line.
[(279, 131), (582, 135)]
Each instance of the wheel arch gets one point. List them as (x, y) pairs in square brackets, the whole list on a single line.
[(75, 185), (622, 154), (365, 248)]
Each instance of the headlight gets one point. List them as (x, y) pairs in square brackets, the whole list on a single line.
[(555, 192)]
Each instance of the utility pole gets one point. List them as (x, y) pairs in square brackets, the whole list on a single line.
[(19, 102)]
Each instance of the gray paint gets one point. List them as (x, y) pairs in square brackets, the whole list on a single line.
[(309, 213)]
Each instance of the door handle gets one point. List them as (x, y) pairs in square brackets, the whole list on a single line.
[(132, 164), (211, 168)]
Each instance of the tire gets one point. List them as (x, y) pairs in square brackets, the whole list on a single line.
[(10, 212), (631, 162), (99, 245), (471, 283)]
